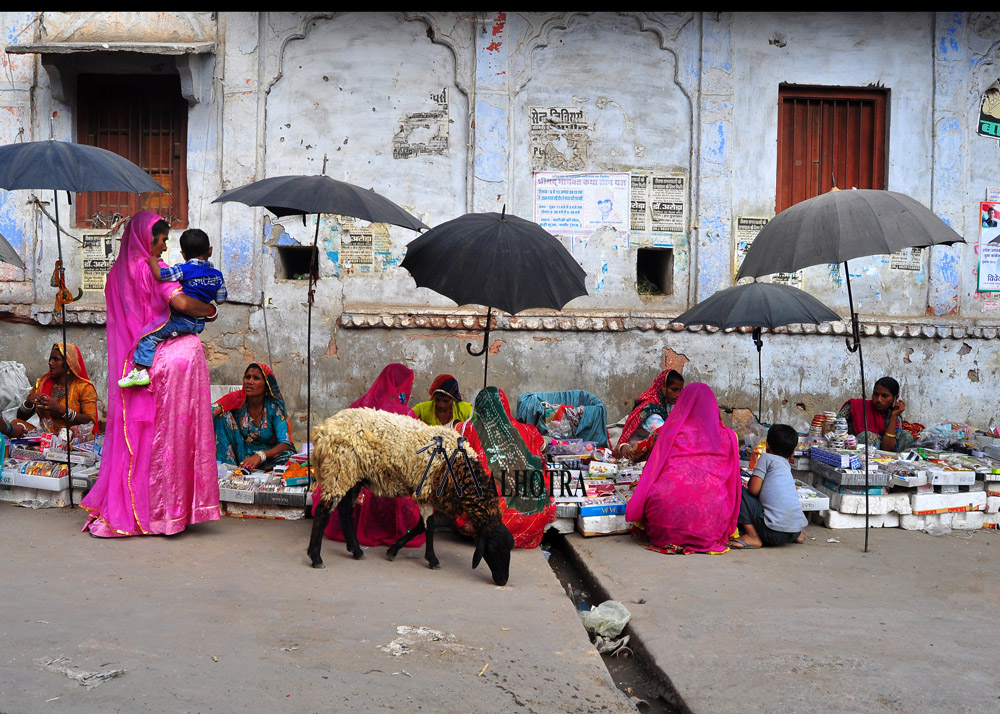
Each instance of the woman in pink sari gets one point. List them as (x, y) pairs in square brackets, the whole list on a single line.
[(688, 496), (382, 521), (158, 471)]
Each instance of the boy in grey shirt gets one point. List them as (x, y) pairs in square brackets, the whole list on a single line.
[(770, 513)]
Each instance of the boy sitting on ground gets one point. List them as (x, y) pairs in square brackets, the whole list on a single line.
[(770, 513), (198, 278)]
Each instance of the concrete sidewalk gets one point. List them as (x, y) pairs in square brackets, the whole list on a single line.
[(911, 626), (228, 616)]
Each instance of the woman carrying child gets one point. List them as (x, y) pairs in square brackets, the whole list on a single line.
[(770, 513), (251, 424), (649, 414)]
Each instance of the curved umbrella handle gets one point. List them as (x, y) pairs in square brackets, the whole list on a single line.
[(486, 338)]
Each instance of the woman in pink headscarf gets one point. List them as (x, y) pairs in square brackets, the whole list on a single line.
[(377, 520), (688, 496), (158, 472)]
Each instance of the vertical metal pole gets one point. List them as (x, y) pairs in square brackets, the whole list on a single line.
[(855, 346), (62, 310), (313, 269)]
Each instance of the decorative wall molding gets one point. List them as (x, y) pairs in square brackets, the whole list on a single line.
[(567, 322)]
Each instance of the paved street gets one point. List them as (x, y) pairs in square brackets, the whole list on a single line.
[(229, 617)]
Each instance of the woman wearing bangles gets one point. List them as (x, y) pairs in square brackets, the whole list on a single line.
[(49, 397), (884, 411), (251, 424)]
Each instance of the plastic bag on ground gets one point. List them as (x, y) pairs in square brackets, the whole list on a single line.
[(607, 619)]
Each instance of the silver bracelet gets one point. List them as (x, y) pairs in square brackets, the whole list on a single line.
[(27, 406), (261, 455)]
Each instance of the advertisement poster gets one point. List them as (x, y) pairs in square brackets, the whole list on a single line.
[(989, 112), (666, 203), (989, 247), (98, 256), (576, 204), (907, 259), (747, 228)]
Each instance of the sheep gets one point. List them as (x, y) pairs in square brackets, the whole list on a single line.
[(378, 450)]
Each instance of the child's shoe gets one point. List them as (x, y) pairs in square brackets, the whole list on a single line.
[(138, 377)]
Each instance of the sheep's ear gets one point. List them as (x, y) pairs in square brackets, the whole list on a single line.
[(480, 548)]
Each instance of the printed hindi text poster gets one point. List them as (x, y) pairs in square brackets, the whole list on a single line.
[(576, 204), (989, 247)]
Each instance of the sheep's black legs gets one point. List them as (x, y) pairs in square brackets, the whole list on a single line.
[(404, 539), (346, 510), (320, 519), (429, 549)]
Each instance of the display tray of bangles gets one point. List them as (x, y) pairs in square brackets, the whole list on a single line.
[(44, 475)]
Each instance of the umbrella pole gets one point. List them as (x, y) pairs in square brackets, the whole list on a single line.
[(854, 345), (267, 336), (312, 289), (486, 344), (760, 375), (62, 321)]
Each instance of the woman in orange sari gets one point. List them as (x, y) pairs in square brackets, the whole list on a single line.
[(57, 404)]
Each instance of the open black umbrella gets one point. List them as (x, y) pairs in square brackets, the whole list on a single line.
[(498, 261), (836, 227), (76, 168), (758, 305), (299, 195)]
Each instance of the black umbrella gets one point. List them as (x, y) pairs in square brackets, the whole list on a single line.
[(77, 168), (299, 195), (758, 305), (498, 261), (836, 227)]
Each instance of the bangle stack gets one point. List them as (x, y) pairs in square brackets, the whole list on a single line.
[(262, 455), (27, 406), (8, 430)]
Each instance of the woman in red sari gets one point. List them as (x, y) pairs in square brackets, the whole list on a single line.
[(688, 496), (382, 521)]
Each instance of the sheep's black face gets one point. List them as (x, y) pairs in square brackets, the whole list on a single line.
[(494, 544)]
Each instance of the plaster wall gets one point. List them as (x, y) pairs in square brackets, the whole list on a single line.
[(663, 92)]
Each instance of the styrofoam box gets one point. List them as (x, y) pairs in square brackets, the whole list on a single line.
[(602, 525), (258, 510), (235, 495), (10, 477), (850, 477), (878, 504), (35, 497), (991, 520), (564, 525), (993, 504), (963, 521), (923, 503), (569, 511), (810, 499), (938, 477), (836, 519)]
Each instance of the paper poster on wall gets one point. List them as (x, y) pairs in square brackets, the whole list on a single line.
[(98, 256), (993, 195), (747, 228), (989, 112), (907, 259), (989, 247), (559, 137), (658, 208), (575, 204)]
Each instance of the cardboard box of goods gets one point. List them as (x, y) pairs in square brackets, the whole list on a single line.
[(603, 468), (10, 477), (810, 499), (86, 458), (600, 488), (602, 525), (603, 506), (236, 495)]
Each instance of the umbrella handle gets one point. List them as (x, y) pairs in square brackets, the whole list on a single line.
[(486, 338)]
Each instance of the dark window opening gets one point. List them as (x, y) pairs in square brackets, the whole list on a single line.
[(829, 136), (144, 119), (294, 261), (654, 271)]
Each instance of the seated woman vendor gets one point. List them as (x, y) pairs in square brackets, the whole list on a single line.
[(251, 424), (57, 404), (884, 413), (445, 406), (649, 414)]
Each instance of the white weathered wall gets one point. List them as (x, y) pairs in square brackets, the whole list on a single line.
[(664, 92)]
